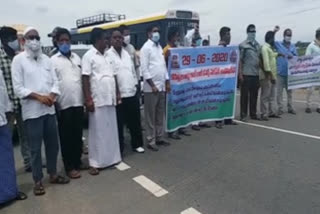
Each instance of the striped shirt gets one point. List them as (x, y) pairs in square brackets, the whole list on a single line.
[(5, 66)]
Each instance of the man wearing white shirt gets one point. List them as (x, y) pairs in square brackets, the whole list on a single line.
[(128, 112), (156, 82), (70, 103), (125, 31), (313, 50), (35, 83), (8, 183), (101, 97)]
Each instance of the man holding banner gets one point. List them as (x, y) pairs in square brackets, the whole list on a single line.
[(313, 50), (225, 39)]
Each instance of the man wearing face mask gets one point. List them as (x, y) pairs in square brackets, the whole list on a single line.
[(69, 103), (268, 77), (250, 51), (156, 84), (288, 50), (125, 31), (10, 47), (36, 84), (313, 50), (8, 181)]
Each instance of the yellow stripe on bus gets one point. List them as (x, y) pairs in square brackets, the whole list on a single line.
[(124, 22)]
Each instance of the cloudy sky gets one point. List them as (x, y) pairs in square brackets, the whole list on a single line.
[(300, 15)]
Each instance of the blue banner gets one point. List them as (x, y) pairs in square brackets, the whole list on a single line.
[(203, 85)]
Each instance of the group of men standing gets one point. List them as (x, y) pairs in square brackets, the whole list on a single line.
[(266, 67), (47, 96)]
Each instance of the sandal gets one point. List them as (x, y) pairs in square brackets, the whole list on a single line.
[(38, 190), (21, 196), (59, 180), (93, 171), (74, 174)]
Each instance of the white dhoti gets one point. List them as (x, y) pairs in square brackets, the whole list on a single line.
[(103, 141)]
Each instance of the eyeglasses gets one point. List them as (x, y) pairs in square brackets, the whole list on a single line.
[(33, 38)]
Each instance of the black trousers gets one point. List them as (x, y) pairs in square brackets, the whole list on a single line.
[(128, 113), (70, 122), (249, 94)]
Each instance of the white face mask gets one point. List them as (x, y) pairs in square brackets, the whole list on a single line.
[(127, 39), (14, 45), (33, 45), (287, 38), (155, 37)]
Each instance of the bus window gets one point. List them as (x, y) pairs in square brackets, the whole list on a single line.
[(183, 26)]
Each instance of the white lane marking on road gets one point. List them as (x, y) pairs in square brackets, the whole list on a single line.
[(190, 211), (149, 185), (122, 166), (280, 130)]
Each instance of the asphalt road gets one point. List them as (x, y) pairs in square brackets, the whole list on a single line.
[(244, 169)]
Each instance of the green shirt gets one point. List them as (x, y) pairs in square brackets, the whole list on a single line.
[(269, 57)]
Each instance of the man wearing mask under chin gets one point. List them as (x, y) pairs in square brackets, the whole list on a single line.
[(268, 78), (288, 50), (249, 74), (69, 104), (156, 84), (10, 47), (36, 84)]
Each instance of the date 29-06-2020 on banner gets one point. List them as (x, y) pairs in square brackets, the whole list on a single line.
[(203, 85)]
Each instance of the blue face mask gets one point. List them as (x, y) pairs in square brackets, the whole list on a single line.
[(198, 42), (64, 48)]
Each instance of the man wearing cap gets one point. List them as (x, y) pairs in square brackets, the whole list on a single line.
[(10, 47), (52, 35), (69, 104), (313, 50), (36, 84)]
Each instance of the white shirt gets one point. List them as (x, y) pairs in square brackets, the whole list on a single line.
[(313, 49), (69, 75), (124, 69), (102, 81), (134, 57), (153, 66), (4, 101), (34, 76), (188, 38)]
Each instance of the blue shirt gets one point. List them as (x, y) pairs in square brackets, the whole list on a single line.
[(282, 62)]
